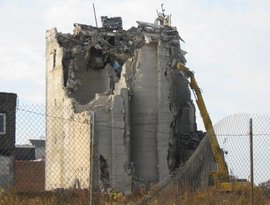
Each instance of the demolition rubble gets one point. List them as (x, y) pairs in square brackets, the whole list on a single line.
[(134, 104)]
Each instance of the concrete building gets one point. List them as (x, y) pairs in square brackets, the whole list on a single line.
[(7, 138), (127, 117)]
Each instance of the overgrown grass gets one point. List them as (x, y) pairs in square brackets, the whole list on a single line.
[(59, 197), (208, 197), (168, 196)]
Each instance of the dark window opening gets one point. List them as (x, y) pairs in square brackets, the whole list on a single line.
[(111, 40), (95, 52), (95, 58), (54, 58)]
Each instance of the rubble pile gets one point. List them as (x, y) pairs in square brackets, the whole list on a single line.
[(98, 48)]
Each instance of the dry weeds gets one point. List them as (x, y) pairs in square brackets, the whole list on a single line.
[(168, 196)]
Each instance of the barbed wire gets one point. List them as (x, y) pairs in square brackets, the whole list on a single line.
[(52, 116)]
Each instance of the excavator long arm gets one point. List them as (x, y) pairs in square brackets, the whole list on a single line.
[(217, 152), (221, 176)]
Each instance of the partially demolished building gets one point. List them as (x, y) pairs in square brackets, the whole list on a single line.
[(129, 116)]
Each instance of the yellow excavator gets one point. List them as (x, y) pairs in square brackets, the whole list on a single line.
[(220, 179)]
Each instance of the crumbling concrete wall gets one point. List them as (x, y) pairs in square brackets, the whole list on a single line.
[(111, 136), (136, 108), (67, 148), (67, 132)]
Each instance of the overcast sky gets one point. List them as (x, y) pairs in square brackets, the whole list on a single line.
[(227, 41)]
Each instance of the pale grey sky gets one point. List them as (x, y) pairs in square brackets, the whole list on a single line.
[(227, 43)]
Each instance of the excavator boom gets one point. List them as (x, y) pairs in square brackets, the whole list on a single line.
[(221, 176), (217, 152)]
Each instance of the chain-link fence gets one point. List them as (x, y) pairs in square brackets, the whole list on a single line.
[(49, 153), (244, 140), (234, 137), (52, 149), (234, 133)]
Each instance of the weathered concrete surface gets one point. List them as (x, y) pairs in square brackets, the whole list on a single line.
[(144, 117), (68, 152), (165, 117), (120, 142)]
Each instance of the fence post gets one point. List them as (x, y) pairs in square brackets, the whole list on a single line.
[(251, 160), (91, 168)]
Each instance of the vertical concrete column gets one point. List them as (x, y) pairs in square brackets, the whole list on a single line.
[(54, 163), (120, 155), (144, 114), (103, 138), (94, 159), (76, 151), (164, 115)]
